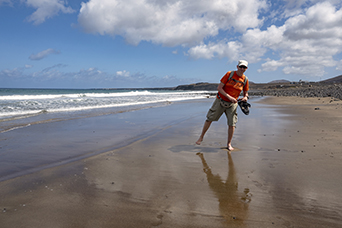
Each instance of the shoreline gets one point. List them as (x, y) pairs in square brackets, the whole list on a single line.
[(284, 172)]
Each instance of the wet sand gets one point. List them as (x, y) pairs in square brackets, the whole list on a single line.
[(285, 171)]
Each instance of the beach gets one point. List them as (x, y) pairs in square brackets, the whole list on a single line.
[(143, 169)]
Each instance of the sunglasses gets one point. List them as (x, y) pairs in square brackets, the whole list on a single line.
[(244, 67)]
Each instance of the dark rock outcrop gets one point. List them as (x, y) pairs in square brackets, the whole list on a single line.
[(198, 86)]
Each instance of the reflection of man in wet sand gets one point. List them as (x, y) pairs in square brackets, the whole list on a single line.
[(232, 204)]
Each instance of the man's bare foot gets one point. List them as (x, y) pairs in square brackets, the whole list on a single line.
[(199, 141), (230, 148)]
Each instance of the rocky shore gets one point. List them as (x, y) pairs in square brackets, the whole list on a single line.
[(305, 89), (300, 90)]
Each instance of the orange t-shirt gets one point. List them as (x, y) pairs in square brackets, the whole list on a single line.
[(234, 86)]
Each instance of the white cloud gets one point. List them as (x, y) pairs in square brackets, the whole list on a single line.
[(43, 54), (220, 50), (47, 9), (170, 23), (14, 73), (17, 72), (123, 73), (303, 41), (305, 44), (309, 41)]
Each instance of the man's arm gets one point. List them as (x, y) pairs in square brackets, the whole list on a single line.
[(245, 96), (245, 91), (221, 90)]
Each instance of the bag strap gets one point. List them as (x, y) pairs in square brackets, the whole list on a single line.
[(231, 75), (244, 83)]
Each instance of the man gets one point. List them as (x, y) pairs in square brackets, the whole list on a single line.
[(226, 101)]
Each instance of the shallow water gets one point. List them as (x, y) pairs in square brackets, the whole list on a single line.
[(60, 140)]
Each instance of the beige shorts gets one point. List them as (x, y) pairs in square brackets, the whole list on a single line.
[(216, 111)]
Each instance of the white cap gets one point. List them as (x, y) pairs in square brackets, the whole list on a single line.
[(243, 63)]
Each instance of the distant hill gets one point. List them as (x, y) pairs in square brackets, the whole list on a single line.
[(337, 79), (279, 81), (273, 84), (198, 86)]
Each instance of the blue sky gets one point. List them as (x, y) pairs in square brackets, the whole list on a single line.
[(165, 43)]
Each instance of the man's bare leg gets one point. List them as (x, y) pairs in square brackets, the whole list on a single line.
[(230, 137), (204, 130)]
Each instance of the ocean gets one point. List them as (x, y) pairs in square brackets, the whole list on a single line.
[(24, 107)]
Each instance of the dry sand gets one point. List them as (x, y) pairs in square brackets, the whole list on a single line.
[(285, 172)]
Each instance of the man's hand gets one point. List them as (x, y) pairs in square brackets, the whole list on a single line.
[(232, 99), (244, 99)]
